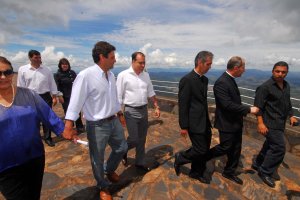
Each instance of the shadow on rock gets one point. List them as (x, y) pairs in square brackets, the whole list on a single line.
[(89, 193), (154, 122), (154, 158)]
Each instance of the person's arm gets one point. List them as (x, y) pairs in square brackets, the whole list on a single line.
[(222, 90), (184, 99), (156, 107), (20, 80), (261, 127)]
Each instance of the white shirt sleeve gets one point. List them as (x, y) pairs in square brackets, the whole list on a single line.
[(20, 80), (120, 88), (78, 97), (150, 89), (52, 85)]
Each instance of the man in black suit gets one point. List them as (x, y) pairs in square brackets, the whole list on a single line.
[(193, 117), (229, 117)]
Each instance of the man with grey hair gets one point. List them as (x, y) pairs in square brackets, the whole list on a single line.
[(193, 117), (229, 117)]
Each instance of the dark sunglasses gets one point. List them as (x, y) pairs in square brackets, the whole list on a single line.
[(6, 72)]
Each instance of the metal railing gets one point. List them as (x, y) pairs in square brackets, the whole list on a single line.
[(170, 89)]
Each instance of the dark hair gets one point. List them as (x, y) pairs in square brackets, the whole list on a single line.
[(281, 63), (234, 61), (103, 48), (134, 55), (63, 61), (202, 56), (5, 61), (32, 52)]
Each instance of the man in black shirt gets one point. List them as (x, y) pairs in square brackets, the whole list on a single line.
[(273, 100)]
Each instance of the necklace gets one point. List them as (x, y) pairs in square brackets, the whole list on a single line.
[(9, 105)]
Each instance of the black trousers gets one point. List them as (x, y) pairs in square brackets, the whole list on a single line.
[(65, 105), (230, 145), (23, 182), (272, 153), (48, 99), (196, 154)]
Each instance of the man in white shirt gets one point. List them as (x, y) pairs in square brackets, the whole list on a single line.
[(134, 88), (94, 92), (39, 79)]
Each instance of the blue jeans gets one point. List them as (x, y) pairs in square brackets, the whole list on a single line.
[(99, 134)]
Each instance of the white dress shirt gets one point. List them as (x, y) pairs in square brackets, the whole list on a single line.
[(94, 94), (40, 79), (134, 89)]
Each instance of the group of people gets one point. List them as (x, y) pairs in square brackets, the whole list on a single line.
[(272, 106), (108, 104), (95, 93)]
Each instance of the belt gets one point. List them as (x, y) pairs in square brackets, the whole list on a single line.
[(108, 118), (137, 107)]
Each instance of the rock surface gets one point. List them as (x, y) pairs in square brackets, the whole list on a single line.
[(68, 173)]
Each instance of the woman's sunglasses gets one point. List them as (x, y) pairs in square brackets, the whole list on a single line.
[(6, 72)]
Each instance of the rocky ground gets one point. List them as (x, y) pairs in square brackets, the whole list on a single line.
[(68, 173)]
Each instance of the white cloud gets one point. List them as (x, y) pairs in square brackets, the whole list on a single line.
[(170, 33)]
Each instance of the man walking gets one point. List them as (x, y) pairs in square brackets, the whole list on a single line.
[(134, 88), (193, 117), (39, 79), (229, 117), (94, 92), (273, 100)]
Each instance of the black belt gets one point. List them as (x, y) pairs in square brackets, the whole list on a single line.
[(137, 107), (108, 118)]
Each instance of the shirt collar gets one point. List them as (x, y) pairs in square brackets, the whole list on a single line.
[(230, 75), (198, 73), (133, 72), (31, 67)]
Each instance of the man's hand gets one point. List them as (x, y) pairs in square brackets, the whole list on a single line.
[(157, 112), (262, 129), (69, 133), (54, 101), (122, 120), (184, 132), (254, 110), (61, 99), (293, 120)]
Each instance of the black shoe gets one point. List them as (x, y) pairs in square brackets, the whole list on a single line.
[(276, 176), (267, 179), (200, 178), (143, 168), (50, 143), (233, 178), (255, 166), (176, 165), (124, 160)]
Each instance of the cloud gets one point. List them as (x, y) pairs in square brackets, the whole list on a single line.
[(170, 33)]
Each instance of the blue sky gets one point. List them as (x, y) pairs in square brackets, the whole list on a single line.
[(170, 33)]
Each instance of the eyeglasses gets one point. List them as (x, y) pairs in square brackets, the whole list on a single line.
[(6, 72)]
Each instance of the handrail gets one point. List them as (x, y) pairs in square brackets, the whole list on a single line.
[(167, 88)]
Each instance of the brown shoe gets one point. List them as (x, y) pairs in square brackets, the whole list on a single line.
[(113, 177), (105, 195)]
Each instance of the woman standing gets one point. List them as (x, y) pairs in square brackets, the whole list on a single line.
[(22, 154), (64, 79)]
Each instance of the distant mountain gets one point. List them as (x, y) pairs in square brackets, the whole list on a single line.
[(250, 79)]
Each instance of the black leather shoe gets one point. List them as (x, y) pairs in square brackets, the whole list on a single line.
[(200, 178), (267, 179), (276, 176), (233, 178), (124, 160), (50, 143), (143, 168), (254, 166), (176, 165)]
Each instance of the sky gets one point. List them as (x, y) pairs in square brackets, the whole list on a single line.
[(169, 32)]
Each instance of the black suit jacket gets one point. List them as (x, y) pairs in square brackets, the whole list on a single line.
[(229, 109), (192, 101)]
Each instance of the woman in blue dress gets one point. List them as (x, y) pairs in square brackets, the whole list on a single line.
[(22, 154)]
